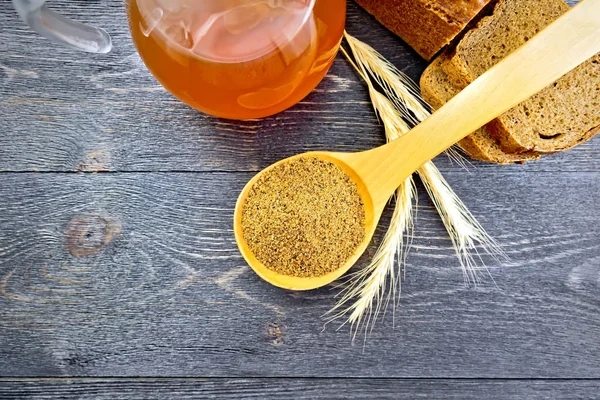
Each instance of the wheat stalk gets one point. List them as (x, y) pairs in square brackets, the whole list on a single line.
[(397, 86), (466, 233), (367, 288), (368, 291)]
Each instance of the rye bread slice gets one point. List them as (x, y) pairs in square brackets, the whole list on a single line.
[(512, 23), (557, 118), (437, 90)]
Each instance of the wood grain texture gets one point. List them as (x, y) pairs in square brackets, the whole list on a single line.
[(66, 111), (298, 389), (134, 272), (137, 274)]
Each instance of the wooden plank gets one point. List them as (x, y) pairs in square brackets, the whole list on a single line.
[(64, 111), (299, 389), (137, 274)]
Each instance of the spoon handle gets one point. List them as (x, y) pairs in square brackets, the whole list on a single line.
[(562, 46)]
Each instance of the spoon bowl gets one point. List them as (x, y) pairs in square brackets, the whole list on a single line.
[(372, 215), (562, 46)]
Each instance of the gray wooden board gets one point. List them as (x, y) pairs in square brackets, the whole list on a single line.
[(137, 274), (298, 389), (65, 111), (134, 272)]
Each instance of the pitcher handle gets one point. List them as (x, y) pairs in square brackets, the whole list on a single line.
[(62, 30)]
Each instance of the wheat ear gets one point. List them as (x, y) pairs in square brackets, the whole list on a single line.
[(466, 234), (369, 290)]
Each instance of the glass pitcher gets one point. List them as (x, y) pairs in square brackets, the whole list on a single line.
[(237, 59)]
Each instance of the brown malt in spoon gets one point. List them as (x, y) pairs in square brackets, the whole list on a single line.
[(376, 173)]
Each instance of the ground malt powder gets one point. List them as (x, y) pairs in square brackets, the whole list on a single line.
[(303, 218)]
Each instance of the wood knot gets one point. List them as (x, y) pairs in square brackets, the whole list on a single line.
[(276, 333), (89, 234), (95, 161)]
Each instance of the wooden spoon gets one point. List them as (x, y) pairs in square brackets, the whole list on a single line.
[(562, 46)]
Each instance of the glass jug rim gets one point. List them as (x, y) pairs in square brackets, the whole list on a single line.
[(281, 40)]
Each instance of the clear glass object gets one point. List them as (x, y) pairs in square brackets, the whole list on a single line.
[(237, 59)]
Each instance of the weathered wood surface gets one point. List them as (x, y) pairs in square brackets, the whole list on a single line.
[(134, 272), (297, 389)]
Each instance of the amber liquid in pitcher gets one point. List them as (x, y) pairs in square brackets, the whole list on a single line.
[(238, 59)]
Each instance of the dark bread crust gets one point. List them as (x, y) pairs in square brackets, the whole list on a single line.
[(426, 25)]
